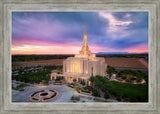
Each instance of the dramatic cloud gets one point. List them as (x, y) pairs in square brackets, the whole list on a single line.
[(62, 32), (116, 28)]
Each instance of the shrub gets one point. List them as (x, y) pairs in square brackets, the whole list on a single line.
[(111, 70), (118, 99), (127, 80), (139, 80), (72, 98), (106, 95), (123, 77), (75, 98), (83, 101), (58, 78), (44, 82), (77, 89), (124, 96), (95, 93), (74, 80), (82, 82), (133, 79), (133, 99)]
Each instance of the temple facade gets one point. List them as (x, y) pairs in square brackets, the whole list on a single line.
[(83, 65)]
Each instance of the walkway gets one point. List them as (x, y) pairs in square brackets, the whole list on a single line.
[(64, 91)]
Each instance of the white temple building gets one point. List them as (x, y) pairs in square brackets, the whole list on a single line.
[(83, 65)]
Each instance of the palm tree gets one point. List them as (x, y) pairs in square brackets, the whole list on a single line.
[(92, 79)]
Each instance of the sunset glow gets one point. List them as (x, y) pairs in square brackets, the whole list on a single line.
[(62, 32)]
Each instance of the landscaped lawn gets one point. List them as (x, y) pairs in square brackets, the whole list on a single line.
[(120, 91), (132, 93)]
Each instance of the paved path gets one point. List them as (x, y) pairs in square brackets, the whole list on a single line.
[(64, 91)]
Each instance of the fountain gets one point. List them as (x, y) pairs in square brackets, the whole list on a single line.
[(44, 96)]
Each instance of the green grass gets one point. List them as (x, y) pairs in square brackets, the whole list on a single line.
[(121, 91), (134, 93)]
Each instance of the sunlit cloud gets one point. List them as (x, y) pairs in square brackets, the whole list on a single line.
[(34, 49), (116, 28), (134, 49), (54, 49), (62, 32), (29, 49)]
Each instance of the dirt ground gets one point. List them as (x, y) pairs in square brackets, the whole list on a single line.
[(114, 62)]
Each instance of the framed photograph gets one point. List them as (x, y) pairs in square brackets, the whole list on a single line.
[(80, 56)]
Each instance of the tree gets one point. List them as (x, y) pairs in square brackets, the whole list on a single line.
[(106, 95), (72, 98), (111, 70), (92, 79), (74, 80), (95, 93), (118, 98), (82, 82), (98, 83)]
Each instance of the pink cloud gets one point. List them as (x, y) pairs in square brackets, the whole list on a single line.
[(138, 49), (25, 46)]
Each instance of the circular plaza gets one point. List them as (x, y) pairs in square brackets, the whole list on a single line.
[(50, 93), (44, 96)]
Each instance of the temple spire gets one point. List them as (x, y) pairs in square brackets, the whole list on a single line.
[(85, 52), (85, 45)]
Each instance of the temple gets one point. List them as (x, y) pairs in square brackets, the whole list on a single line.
[(83, 65)]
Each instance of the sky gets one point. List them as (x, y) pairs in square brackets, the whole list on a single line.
[(62, 32)]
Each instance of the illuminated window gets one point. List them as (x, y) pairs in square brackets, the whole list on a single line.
[(75, 68)]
